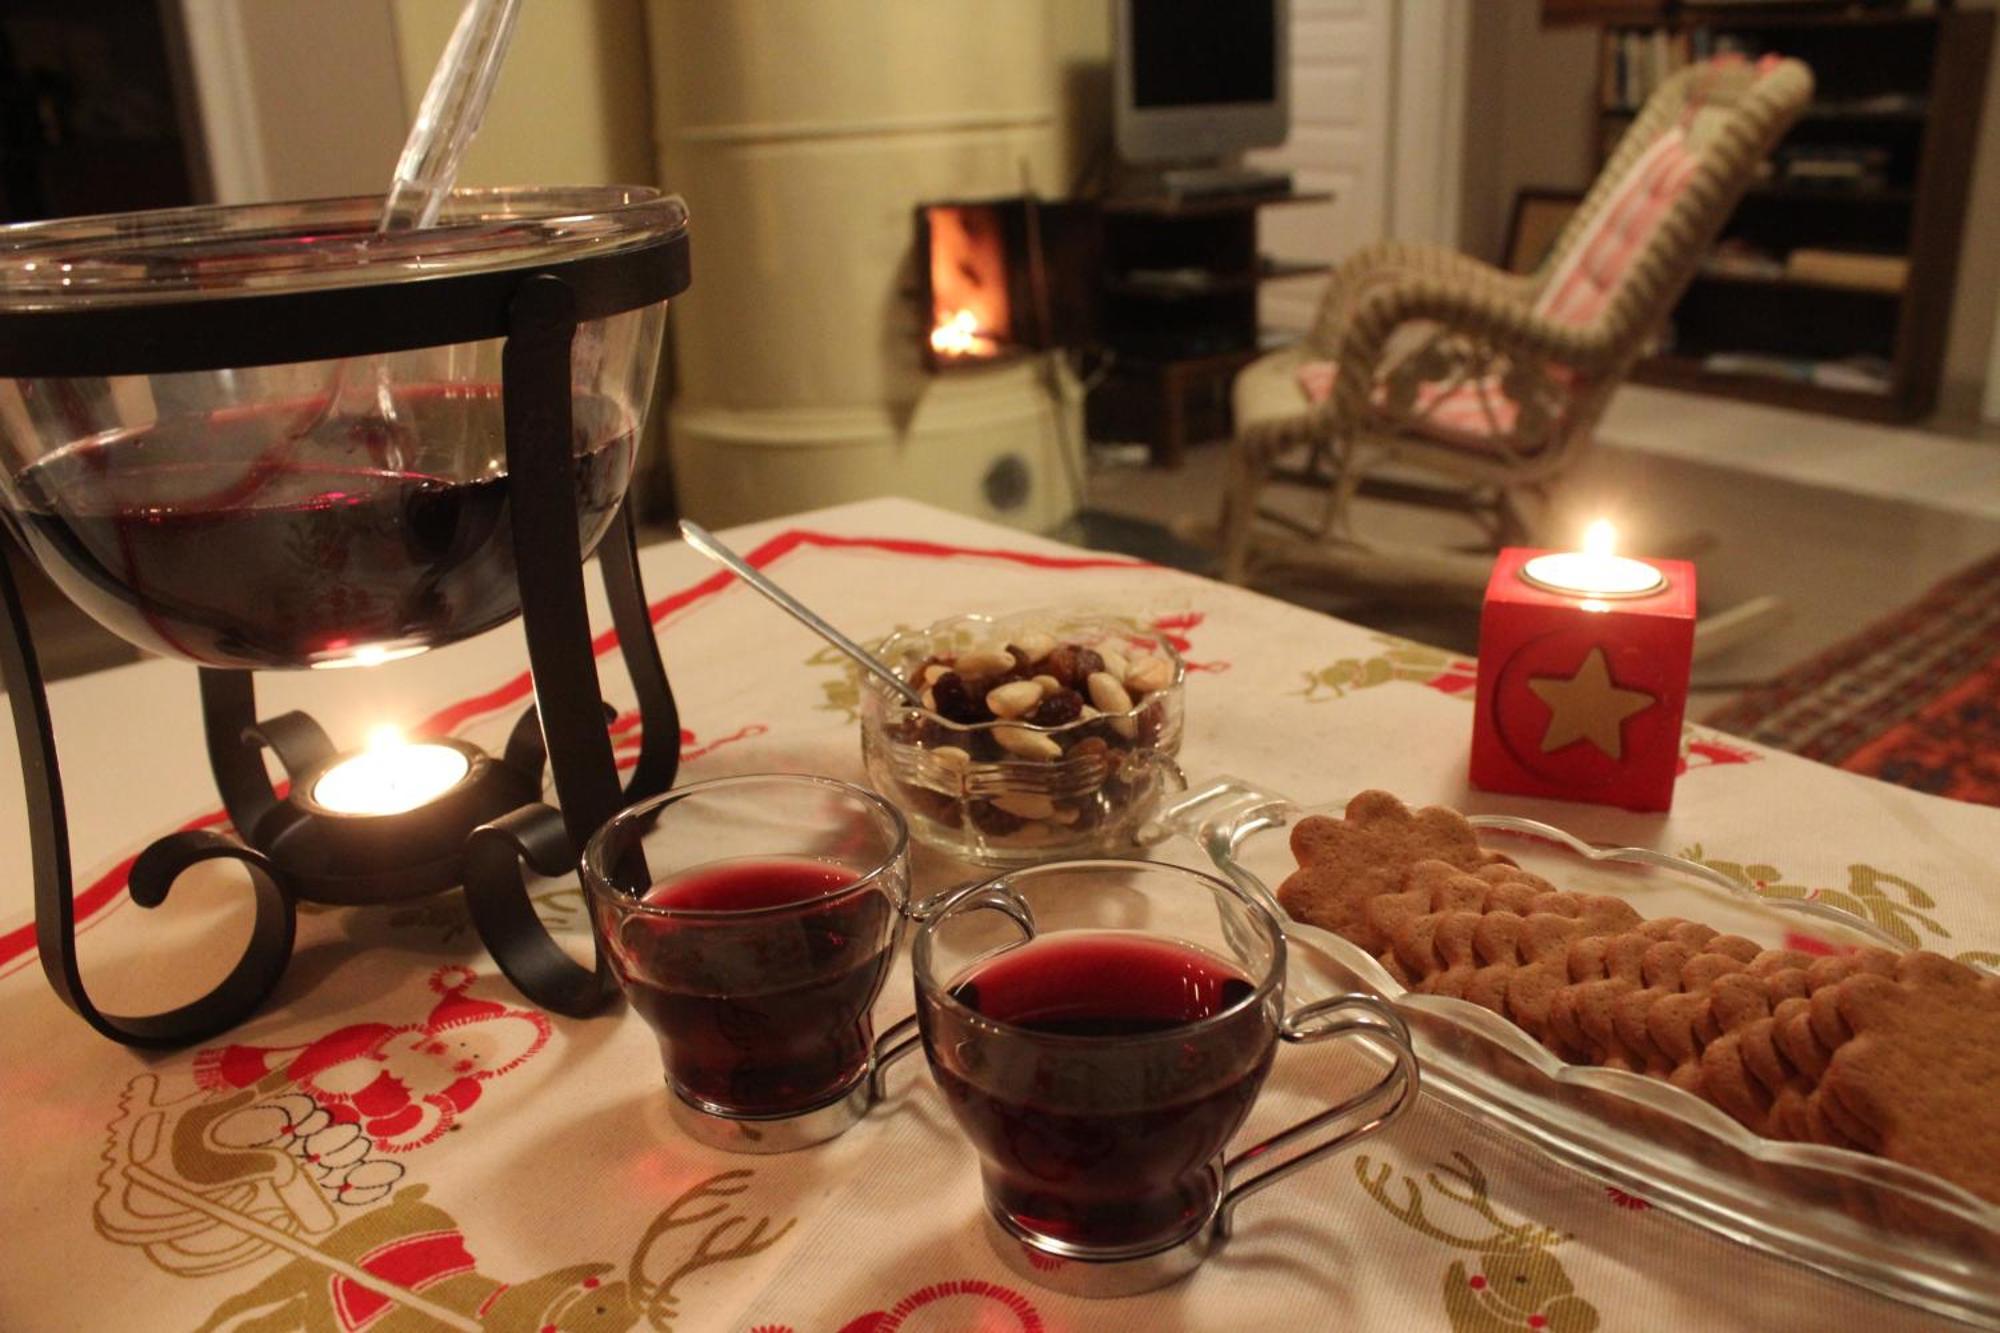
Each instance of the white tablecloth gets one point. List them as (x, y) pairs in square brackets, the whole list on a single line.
[(399, 1141)]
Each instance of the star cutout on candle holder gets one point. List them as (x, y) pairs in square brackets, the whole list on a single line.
[(1588, 707)]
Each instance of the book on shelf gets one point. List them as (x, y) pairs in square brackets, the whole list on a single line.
[(1854, 374), (1845, 268), (1634, 62)]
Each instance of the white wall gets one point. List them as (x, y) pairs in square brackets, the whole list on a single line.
[(1530, 115), (1972, 348), (297, 101), (573, 106), (306, 98)]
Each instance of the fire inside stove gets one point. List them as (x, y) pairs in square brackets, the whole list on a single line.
[(971, 313)]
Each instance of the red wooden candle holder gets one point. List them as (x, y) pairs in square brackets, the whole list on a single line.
[(1581, 697)]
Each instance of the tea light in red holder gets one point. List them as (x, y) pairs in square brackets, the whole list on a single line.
[(1583, 674)]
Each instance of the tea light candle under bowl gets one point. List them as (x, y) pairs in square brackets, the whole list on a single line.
[(390, 777)]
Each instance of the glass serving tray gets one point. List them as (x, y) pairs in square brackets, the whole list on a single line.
[(1895, 1230)]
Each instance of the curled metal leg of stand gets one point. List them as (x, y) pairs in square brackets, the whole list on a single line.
[(659, 717), (525, 750), (496, 892), (234, 998), (299, 741), (269, 948)]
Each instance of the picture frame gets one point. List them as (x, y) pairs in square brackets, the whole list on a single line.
[(1539, 216)]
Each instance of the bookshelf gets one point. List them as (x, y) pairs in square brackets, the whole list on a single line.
[(1831, 286)]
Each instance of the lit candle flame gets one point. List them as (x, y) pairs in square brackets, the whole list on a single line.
[(1595, 571), (390, 776)]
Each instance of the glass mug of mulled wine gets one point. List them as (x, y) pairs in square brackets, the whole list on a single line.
[(1100, 1030), (751, 922)]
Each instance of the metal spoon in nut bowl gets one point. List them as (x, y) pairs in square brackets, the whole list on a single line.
[(704, 541)]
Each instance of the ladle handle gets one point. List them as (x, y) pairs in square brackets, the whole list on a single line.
[(454, 105), (704, 541)]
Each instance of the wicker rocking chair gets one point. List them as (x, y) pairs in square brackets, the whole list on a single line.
[(1443, 380)]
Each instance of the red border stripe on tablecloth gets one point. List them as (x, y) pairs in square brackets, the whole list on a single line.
[(107, 886)]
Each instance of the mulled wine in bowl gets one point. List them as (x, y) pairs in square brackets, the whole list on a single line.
[(1101, 1030), (324, 512), (751, 922)]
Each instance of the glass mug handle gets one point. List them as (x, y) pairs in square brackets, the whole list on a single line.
[(1383, 1101), (902, 1037)]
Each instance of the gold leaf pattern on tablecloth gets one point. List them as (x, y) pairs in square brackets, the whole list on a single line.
[(1518, 1283), (1892, 902), (1400, 659)]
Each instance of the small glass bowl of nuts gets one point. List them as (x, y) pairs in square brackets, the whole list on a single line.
[(1046, 734)]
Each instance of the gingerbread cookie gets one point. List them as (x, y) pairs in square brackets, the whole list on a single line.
[(1922, 1072), (1344, 863), (1871, 1050)]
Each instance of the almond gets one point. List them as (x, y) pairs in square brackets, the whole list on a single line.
[(1014, 698), (1108, 694)]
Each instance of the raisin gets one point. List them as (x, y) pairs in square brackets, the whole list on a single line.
[(1152, 722), (957, 703), (924, 801), (1072, 663), (1090, 748), (1058, 709), (990, 818)]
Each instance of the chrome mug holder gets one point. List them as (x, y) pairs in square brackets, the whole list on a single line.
[(497, 826), (1095, 1272), (1098, 1274), (792, 1130)]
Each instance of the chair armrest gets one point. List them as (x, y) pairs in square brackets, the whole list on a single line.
[(1494, 316), (1389, 263)]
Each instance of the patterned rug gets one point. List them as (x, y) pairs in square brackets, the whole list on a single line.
[(1913, 699)]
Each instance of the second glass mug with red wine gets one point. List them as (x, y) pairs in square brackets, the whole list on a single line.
[(1101, 1030)]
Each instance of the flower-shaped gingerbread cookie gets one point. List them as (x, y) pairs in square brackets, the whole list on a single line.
[(1343, 863)]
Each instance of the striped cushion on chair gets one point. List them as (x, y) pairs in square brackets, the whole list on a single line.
[(1590, 273), (1473, 412), (1455, 413)]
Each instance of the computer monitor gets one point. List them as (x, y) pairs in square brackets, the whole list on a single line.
[(1200, 80)]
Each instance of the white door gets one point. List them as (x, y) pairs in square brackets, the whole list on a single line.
[(1343, 60)]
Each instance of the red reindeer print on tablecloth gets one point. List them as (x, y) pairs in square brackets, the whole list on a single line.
[(404, 1084), (957, 1299), (1176, 629), (1706, 750)]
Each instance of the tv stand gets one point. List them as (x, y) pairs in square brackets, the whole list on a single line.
[(1179, 311), (1182, 182)]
